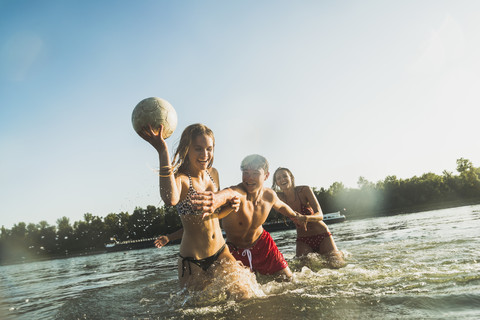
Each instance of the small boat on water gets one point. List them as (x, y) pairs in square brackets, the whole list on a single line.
[(129, 244), (334, 217)]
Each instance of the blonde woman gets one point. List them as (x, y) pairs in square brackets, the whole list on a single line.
[(203, 257)]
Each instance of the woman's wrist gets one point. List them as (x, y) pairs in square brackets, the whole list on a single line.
[(165, 171)]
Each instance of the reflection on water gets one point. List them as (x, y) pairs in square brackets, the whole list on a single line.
[(411, 266)]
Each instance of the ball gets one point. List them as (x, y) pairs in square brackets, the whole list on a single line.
[(154, 112)]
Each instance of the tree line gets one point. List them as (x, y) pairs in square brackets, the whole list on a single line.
[(393, 195), (24, 242)]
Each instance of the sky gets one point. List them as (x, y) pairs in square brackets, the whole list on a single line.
[(333, 90)]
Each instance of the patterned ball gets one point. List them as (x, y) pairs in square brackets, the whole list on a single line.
[(155, 112)]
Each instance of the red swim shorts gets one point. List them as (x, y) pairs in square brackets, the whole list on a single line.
[(264, 257)]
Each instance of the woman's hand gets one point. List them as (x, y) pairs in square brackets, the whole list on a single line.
[(154, 137), (161, 241)]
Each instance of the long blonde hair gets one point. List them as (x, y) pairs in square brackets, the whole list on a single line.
[(180, 159)]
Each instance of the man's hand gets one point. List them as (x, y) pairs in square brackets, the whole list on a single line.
[(208, 202), (232, 205), (300, 220), (235, 203)]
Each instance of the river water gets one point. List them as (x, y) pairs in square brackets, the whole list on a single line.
[(422, 265)]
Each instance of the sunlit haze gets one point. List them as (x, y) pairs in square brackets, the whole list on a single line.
[(332, 90)]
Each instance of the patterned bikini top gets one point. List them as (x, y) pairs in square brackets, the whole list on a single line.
[(185, 206), (305, 209)]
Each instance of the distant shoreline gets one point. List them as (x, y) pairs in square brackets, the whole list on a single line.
[(378, 214)]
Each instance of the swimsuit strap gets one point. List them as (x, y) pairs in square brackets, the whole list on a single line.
[(211, 178), (190, 185), (298, 195), (204, 263), (187, 259), (191, 182)]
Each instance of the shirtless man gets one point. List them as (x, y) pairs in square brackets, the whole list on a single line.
[(246, 238)]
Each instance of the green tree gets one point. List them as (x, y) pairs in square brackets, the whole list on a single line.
[(364, 184), (47, 241), (112, 225), (65, 235), (172, 219), (16, 246), (33, 239), (469, 177), (19, 232), (464, 165)]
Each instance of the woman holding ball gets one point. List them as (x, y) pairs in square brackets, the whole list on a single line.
[(204, 258), (316, 237)]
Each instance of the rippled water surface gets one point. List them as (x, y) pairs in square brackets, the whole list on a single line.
[(414, 266)]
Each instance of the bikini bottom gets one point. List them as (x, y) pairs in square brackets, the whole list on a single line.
[(202, 263), (315, 241)]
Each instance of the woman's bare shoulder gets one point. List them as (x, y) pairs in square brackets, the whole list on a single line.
[(181, 178), (304, 190)]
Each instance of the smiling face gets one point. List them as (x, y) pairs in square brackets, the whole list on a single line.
[(200, 152), (253, 179), (283, 180)]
